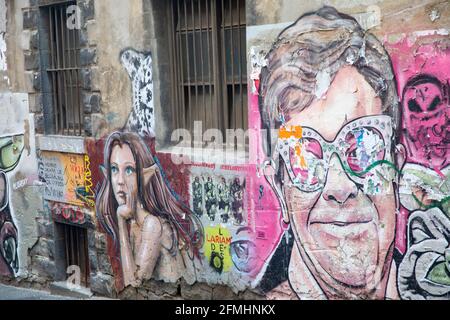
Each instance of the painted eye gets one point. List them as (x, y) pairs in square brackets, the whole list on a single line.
[(304, 158), (242, 254), (114, 170), (129, 170), (366, 146)]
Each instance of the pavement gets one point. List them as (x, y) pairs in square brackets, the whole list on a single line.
[(14, 293)]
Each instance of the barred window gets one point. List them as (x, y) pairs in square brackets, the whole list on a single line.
[(208, 63), (64, 71)]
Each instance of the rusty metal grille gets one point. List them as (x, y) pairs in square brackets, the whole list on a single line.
[(76, 250), (208, 63), (64, 72)]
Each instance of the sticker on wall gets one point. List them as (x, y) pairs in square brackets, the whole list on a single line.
[(217, 248)]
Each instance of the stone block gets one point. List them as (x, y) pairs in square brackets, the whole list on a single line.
[(93, 262), (223, 293), (43, 267), (102, 284), (30, 19), (160, 288), (44, 248), (35, 102), (87, 10), (197, 291), (129, 293), (88, 56), (104, 264), (37, 81), (86, 78), (100, 242), (31, 61), (34, 40)]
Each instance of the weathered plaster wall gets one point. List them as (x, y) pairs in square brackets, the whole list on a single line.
[(124, 20), (22, 199)]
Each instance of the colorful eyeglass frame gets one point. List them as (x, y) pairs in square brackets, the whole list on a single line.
[(360, 145)]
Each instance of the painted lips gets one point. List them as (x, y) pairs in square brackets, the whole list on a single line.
[(342, 223), (122, 194), (349, 227)]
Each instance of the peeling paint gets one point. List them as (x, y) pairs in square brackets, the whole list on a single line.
[(3, 63)]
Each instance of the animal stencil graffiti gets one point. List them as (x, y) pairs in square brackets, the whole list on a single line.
[(139, 67)]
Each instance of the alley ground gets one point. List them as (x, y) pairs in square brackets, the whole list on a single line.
[(13, 293)]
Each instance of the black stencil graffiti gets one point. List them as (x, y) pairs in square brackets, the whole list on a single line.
[(197, 194), (224, 199), (220, 198), (237, 204), (210, 199)]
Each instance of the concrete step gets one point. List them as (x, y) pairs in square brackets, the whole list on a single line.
[(62, 288)]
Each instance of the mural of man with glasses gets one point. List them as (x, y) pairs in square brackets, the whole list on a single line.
[(330, 90)]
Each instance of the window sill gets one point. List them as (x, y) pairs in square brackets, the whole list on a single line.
[(57, 143)]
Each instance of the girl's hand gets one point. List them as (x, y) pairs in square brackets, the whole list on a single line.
[(127, 209)]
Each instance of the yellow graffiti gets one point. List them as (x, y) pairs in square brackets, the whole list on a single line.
[(90, 196), (72, 165), (217, 248)]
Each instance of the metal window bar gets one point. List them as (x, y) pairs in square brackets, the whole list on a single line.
[(64, 72), (76, 250), (208, 60)]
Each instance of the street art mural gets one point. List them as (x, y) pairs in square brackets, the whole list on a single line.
[(424, 186), (364, 193), (8, 233), (345, 194), (332, 96), (15, 178), (200, 233), (152, 234), (11, 149)]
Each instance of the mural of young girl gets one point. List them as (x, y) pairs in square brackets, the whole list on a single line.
[(152, 234)]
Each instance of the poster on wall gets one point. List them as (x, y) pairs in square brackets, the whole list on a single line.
[(64, 177)]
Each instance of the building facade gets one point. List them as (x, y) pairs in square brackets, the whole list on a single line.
[(156, 149)]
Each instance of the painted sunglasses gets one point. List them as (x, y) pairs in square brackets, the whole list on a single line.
[(361, 145)]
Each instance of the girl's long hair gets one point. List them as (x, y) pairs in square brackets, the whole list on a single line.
[(155, 197)]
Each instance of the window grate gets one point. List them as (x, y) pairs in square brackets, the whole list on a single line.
[(76, 250), (208, 63), (64, 72)]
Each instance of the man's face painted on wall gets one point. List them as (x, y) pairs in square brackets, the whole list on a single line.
[(344, 224), (123, 174)]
